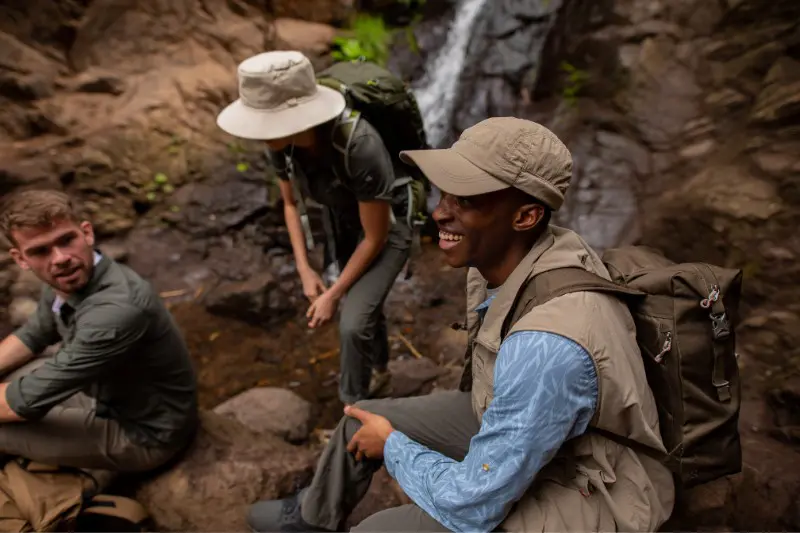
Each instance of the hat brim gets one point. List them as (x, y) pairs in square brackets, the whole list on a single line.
[(241, 120), (453, 173)]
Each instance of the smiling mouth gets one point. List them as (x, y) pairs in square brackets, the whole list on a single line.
[(454, 237)]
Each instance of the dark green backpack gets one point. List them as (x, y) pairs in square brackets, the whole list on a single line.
[(390, 107), (685, 316)]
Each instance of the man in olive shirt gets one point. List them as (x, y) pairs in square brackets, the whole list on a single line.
[(120, 394)]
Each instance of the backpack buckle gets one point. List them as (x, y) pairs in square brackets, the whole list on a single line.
[(720, 326)]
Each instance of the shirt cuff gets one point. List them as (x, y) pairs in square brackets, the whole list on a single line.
[(392, 450), (17, 403)]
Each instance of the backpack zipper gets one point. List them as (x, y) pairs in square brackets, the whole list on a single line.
[(665, 349)]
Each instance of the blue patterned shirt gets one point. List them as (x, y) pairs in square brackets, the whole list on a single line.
[(545, 392)]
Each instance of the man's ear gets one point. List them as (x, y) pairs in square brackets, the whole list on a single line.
[(528, 216), (16, 254), (88, 232)]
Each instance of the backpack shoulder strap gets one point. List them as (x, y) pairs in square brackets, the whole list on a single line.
[(342, 137), (541, 288)]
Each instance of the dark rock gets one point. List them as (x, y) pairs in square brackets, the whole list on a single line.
[(215, 208), (780, 99), (785, 402), (95, 81), (258, 300), (410, 376), (227, 468), (272, 410)]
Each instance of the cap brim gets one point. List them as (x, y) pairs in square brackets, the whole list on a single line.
[(452, 173), (247, 122)]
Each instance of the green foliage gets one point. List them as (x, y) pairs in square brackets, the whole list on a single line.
[(368, 38), (576, 79)]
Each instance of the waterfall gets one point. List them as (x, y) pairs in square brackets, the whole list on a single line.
[(439, 86)]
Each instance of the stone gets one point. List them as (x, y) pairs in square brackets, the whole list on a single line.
[(115, 250), (411, 376), (98, 81), (731, 191), (776, 163), (258, 300), (450, 346), (295, 34), (20, 310), (227, 468), (663, 94), (270, 410), (779, 101), (698, 149), (727, 99), (214, 208), (784, 399)]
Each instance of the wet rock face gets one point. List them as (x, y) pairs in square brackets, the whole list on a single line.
[(504, 54)]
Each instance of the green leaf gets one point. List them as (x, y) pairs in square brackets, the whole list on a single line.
[(161, 178), (242, 167), (151, 197), (168, 188)]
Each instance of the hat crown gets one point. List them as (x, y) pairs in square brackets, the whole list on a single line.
[(521, 153), (276, 80)]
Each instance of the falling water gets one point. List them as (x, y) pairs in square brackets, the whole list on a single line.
[(439, 86)]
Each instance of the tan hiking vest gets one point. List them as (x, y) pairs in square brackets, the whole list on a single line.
[(593, 483)]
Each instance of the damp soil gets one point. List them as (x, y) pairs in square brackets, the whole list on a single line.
[(232, 356)]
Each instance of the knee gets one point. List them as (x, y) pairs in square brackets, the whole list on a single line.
[(352, 327), (352, 425)]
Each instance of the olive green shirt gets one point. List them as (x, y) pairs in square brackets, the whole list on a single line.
[(121, 347)]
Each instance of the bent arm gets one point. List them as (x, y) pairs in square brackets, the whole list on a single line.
[(545, 393), (376, 221), (104, 337), (13, 354)]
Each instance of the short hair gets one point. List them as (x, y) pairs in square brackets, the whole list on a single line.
[(36, 208)]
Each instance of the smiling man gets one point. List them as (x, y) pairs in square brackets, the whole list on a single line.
[(120, 393), (512, 449)]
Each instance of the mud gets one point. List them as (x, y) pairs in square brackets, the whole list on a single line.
[(231, 356)]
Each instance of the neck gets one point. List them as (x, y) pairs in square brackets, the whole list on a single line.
[(498, 272)]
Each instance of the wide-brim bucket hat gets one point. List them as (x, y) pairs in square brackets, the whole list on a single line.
[(278, 97)]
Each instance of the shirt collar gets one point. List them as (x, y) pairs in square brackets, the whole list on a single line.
[(58, 302)]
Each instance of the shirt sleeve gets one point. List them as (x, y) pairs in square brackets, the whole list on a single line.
[(545, 393), (105, 335), (40, 330), (371, 171)]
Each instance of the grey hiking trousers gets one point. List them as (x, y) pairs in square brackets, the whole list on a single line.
[(444, 422), (363, 336), (72, 435)]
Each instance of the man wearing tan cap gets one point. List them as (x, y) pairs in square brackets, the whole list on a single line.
[(282, 104), (512, 449)]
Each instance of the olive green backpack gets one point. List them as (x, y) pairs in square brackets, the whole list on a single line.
[(685, 316)]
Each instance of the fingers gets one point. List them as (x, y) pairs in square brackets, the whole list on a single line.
[(357, 413)]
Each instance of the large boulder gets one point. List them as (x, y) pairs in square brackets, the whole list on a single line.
[(228, 467), (270, 410)]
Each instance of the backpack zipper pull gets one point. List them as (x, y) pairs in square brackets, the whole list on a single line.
[(664, 349)]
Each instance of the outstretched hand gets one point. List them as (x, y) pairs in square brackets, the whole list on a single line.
[(370, 439)]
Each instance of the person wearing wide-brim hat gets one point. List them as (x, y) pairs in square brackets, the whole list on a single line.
[(281, 103)]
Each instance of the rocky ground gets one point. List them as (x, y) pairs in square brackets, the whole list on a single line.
[(681, 115)]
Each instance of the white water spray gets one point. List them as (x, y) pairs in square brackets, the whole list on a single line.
[(439, 86)]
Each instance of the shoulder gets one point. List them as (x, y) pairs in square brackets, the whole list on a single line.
[(545, 350), (366, 142), (123, 299)]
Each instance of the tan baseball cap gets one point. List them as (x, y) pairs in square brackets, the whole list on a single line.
[(499, 153)]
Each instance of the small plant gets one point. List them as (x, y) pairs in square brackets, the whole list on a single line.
[(576, 79), (159, 184), (368, 39)]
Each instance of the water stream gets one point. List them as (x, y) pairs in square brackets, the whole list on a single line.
[(437, 91)]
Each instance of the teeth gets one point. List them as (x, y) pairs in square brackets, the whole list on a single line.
[(450, 236)]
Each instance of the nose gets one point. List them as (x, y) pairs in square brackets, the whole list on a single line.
[(59, 257), (443, 211)]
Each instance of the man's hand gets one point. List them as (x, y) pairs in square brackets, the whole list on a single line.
[(370, 439), (322, 309), (313, 285)]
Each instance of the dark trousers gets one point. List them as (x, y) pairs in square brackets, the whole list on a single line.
[(444, 422), (364, 342)]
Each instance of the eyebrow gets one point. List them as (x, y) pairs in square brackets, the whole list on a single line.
[(42, 247)]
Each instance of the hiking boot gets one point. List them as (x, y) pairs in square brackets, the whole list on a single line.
[(380, 384), (279, 515)]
